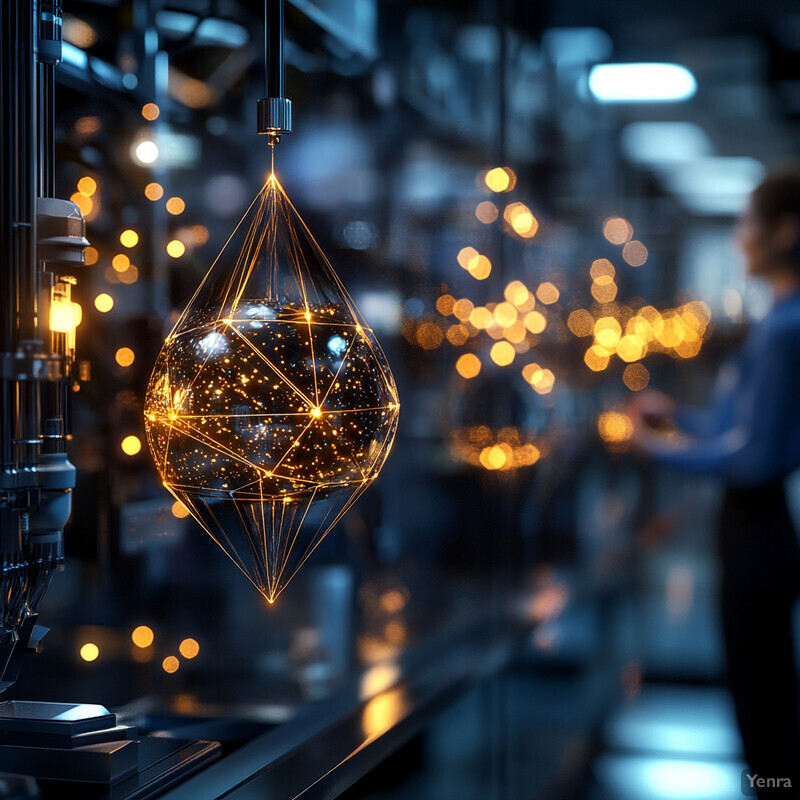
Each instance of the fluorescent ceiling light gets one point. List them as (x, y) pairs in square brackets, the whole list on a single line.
[(641, 778), (714, 185), (641, 83), (207, 31), (656, 143)]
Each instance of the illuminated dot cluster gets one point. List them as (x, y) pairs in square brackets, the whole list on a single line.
[(632, 334), (503, 450), (270, 395)]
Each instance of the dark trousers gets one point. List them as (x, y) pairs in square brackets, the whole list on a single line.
[(760, 579)]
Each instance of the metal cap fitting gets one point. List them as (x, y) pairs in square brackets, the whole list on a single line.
[(274, 115)]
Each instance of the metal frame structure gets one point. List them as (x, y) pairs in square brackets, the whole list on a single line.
[(43, 237)]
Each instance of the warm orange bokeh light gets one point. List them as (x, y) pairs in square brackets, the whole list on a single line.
[(617, 230), (635, 253), (468, 365), (142, 636), (150, 111), (153, 191), (176, 205)]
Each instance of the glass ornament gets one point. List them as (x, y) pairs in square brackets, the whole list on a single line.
[(271, 406)]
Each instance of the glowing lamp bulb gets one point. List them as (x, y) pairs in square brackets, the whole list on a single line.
[(270, 395)]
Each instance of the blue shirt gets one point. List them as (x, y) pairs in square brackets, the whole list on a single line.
[(751, 434)]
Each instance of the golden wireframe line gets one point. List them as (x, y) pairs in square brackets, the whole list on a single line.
[(259, 480), (278, 529), (372, 343), (247, 257), (288, 551), (338, 371), (327, 268), (199, 436), (240, 265), (255, 556), (293, 444), (335, 411), (276, 525), (216, 494), (348, 505), (197, 374), (211, 268), (332, 412), (207, 529), (292, 479), (330, 273), (347, 447), (215, 446), (388, 441), (252, 260), (198, 515), (166, 448), (265, 548), (325, 530), (321, 323), (232, 416), (287, 478), (272, 222), (313, 364), (272, 535), (298, 256), (272, 367), (281, 553), (379, 457), (280, 539), (228, 494)]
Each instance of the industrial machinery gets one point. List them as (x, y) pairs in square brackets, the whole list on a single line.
[(44, 246), (44, 243)]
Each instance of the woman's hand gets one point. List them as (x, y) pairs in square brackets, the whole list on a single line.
[(651, 405), (651, 414)]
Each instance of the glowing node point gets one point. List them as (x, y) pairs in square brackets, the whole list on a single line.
[(316, 412)]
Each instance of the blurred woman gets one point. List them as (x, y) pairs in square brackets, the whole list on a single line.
[(750, 437)]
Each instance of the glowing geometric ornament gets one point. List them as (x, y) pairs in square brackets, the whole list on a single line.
[(271, 406)]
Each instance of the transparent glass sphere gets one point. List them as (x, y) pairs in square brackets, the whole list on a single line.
[(271, 406)]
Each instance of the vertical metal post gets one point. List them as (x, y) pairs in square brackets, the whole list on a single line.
[(49, 41), (274, 110), (273, 48), (25, 163), (18, 188)]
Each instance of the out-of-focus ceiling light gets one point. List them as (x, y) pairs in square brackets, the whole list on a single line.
[(714, 185), (145, 152), (641, 83), (209, 31), (664, 142)]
